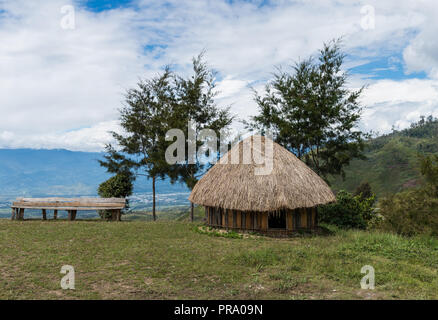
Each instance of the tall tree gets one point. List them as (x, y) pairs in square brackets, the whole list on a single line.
[(311, 112), (143, 119), (429, 170), (364, 191), (195, 102)]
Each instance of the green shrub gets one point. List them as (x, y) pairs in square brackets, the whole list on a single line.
[(364, 191), (348, 211), (118, 186), (411, 212)]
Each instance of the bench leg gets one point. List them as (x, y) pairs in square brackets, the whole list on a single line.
[(71, 215), (13, 214), (119, 215), (113, 215), (21, 214), (44, 214), (55, 214)]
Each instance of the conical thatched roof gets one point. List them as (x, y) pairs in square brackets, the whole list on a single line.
[(290, 184)]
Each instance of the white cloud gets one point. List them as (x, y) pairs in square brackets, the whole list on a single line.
[(54, 80), (86, 139), (398, 103), (62, 88)]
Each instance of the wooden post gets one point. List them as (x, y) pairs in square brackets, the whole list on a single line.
[(113, 215), (243, 223), (309, 218), (44, 214), (55, 214), (13, 214), (316, 217), (154, 215)]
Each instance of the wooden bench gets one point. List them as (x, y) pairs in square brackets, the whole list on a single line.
[(71, 205)]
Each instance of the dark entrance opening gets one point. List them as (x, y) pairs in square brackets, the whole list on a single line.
[(277, 220)]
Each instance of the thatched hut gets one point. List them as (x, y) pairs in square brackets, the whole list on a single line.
[(238, 195)]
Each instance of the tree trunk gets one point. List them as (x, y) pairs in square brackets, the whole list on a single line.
[(153, 199), (192, 206)]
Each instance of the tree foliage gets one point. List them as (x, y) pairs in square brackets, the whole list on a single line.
[(312, 113), (118, 186), (348, 211), (411, 212), (429, 170), (414, 211), (157, 105), (195, 102), (144, 120), (364, 191)]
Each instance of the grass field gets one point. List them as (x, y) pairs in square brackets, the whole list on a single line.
[(171, 260)]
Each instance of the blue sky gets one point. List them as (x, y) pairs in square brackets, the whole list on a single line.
[(65, 64), (388, 67), (102, 5)]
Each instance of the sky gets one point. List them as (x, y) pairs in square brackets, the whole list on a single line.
[(65, 64)]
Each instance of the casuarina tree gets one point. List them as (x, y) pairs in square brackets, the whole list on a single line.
[(196, 110), (144, 118), (311, 112)]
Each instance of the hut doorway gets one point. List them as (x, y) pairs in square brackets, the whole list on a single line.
[(277, 220)]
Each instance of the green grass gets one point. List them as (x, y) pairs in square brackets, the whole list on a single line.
[(170, 213), (171, 260)]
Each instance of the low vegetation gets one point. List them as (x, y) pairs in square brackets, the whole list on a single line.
[(349, 211), (118, 186), (170, 260), (410, 212)]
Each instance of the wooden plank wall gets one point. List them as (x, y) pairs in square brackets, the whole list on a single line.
[(289, 220), (295, 219), (303, 219), (264, 222)]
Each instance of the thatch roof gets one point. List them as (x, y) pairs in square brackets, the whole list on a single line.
[(235, 185)]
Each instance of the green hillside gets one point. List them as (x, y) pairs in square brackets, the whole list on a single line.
[(392, 160)]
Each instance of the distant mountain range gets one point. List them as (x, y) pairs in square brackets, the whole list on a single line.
[(391, 165), (29, 172)]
